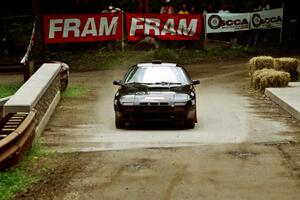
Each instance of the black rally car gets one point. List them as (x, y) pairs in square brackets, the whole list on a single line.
[(155, 92)]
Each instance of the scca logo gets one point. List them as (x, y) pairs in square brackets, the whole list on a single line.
[(215, 22), (236, 22), (258, 21)]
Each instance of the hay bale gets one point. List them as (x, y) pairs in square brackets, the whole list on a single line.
[(261, 62), (286, 64), (264, 78), (289, 65)]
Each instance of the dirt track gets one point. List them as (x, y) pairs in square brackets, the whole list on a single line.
[(244, 146), (225, 112)]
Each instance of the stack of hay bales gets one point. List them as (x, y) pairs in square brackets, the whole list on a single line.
[(264, 78), (289, 65), (265, 71)]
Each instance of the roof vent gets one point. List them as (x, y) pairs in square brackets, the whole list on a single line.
[(156, 62)]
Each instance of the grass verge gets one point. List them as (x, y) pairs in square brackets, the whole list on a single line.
[(74, 90), (27, 173), (9, 89)]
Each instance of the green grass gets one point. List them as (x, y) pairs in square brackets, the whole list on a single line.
[(74, 90), (24, 175), (9, 89), (14, 181)]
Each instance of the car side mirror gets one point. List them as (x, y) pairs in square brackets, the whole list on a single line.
[(196, 82), (117, 82)]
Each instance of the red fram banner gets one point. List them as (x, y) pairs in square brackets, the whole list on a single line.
[(163, 27), (82, 28)]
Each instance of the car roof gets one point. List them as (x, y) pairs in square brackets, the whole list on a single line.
[(157, 64)]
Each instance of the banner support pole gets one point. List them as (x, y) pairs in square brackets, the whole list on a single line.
[(147, 6), (123, 43), (205, 32), (281, 29)]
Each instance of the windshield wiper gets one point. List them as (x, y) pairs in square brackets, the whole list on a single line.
[(167, 83), (134, 83), (139, 83)]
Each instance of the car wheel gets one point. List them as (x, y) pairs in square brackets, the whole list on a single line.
[(190, 123), (120, 123)]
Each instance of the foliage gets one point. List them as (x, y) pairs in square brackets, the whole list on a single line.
[(105, 55), (185, 55), (164, 54)]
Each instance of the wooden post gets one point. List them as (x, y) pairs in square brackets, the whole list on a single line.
[(31, 68), (26, 72)]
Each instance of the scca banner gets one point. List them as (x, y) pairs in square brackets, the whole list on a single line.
[(227, 22), (267, 19), (163, 27), (82, 28)]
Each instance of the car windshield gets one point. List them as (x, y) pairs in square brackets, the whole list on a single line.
[(157, 75)]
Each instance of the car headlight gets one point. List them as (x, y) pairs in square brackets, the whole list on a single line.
[(127, 100), (193, 102), (127, 103), (182, 100), (179, 103), (116, 102)]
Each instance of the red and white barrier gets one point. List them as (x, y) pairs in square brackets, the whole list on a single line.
[(82, 28), (163, 27), (109, 26)]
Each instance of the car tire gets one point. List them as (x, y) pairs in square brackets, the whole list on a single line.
[(190, 124), (120, 124)]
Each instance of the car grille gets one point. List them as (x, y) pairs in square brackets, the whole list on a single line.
[(153, 109), (154, 104), (156, 113)]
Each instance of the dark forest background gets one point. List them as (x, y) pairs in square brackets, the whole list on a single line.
[(17, 16), (23, 7)]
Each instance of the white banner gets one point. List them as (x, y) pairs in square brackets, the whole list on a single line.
[(267, 19), (227, 22), (231, 22)]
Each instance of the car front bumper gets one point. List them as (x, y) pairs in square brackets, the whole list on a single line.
[(155, 113)]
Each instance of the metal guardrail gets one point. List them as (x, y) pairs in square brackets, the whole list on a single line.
[(17, 132)]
